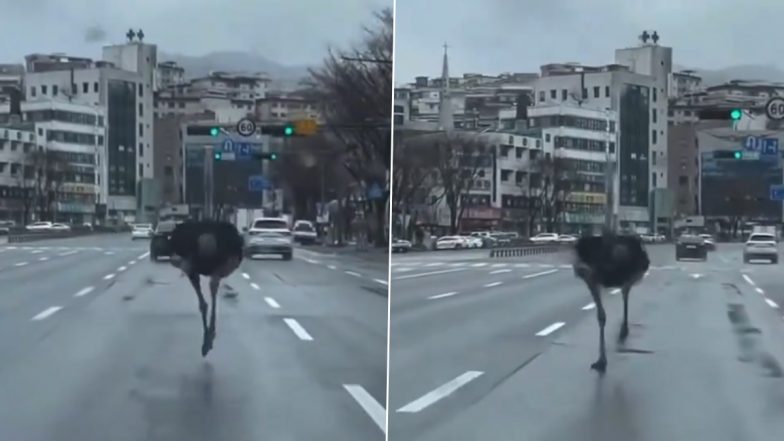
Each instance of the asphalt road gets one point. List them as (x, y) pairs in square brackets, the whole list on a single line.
[(500, 349), (99, 343)]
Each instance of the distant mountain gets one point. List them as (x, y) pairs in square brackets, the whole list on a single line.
[(237, 61), (741, 72)]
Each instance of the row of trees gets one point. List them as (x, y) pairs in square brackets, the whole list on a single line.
[(354, 151), (446, 168), (41, 180)]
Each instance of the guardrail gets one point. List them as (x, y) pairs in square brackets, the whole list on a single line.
[(528, 250), (31, 236)]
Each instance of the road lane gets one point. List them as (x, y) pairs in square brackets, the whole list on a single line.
[(489, 334), (128, 351)]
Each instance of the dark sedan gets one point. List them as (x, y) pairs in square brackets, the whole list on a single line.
[(691, 247), (159, 242)]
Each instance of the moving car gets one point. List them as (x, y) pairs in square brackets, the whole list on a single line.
[(269, 242), (761, 246), (159, 243), (304, 232), (5, 226), (473, 242), (545, 238), (141, 231), (450, 243), (710, 242), (270, 225), (691, 247), (59, 227), (400, 246)]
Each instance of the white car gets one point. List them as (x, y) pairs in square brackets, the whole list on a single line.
[(545, 238), (761, 246), (269, 242), (451, 243), (39, 226), (141, 231), (60, 227), (567, 238), (304, 232), (473, 242), (270, 224)]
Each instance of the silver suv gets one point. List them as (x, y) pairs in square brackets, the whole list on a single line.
[(761, 246)]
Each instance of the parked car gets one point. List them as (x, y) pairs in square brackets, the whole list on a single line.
[(400, 246), (473, 242), (304, 232), (761, 246), (39, 226), (269, 242), (141, 231), (60, 227), (692, 247), (567, 238), (545, 238), (5, 227), (450, 243)]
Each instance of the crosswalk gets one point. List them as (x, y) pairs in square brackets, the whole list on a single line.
[(403, 267)]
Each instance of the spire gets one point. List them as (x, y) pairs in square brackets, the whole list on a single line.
[(445, 118)]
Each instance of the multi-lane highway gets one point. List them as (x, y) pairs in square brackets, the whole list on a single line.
[(500, 349), (99, 343)]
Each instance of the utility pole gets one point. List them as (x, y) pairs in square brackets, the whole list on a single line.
[(608, 179)]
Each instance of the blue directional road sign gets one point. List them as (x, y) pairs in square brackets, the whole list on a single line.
[(777, 192), (258, 183), (770, 146), (765, 146), (242, 150)]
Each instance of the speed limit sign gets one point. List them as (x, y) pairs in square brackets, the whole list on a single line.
[(775, 108), (246, 127)]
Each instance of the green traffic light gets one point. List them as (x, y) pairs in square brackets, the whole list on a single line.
[(217, 155), (288, 130), (273, 156), (735, 114), (214, 131), (738, 155)]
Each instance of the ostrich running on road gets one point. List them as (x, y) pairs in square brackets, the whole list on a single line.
[(610, 261)]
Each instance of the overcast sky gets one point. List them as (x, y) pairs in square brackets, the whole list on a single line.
[(286, 31), (494, 36)]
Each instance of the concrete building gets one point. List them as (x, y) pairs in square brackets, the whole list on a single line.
[(72, 137), (167, 74), (125, 96), (286, 107), (16, 189), (683, 82)]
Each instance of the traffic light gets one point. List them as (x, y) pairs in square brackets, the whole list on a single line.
[(266, 156), (303, 127), (724, 114), (737, 154), (217, 156), (214, 131), (203, 131), (728, 154)]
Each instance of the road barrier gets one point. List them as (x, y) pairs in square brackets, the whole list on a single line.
[(529, 250), (31, 236)]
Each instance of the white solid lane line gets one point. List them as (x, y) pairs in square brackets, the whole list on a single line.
[(369, 404), (352, 273), (748, 279), (47, 312), (84, 291), (298, 330), (543, 273), (550, 329), (501, 271), (255, 286), (441, 296), (492, 284), (20, 264), (589, 306), (108, 276), (270, 301), (439, 393), (771, 303), (431, 273)]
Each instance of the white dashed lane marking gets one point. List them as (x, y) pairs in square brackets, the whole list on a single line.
[(500, 271), (352, 273), (493, 284), (543, 273), (108, 277), (46, 313), (270, 301), (550, 329), (441, 296), (20, 264), (771, 303), (84, 291), (255, 286), (748, 279), (246, 276), (589, 306), (439, 393), (122, 268), (298, 330), (369, 404), (383, 282)]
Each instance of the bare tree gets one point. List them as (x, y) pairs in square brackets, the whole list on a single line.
[(48, 173), (458, 160), (356, 89), (414, 164), (551, 183)]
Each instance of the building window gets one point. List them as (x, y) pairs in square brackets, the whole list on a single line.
[(95, 87), (553, 94), (141, 109), (541, 96), (74, 89), (141, 170), (538, 143), (141, 129), (607, 91), (43, 89), (596, 92), (100, 139), (85, 87), (141, 150), (547, 137), (32, 91), (654, 94), (141, 90), (54, 90), (655, 113), (168, 171), (653, 136), (564, 94), (585, 93), (182, 104)]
